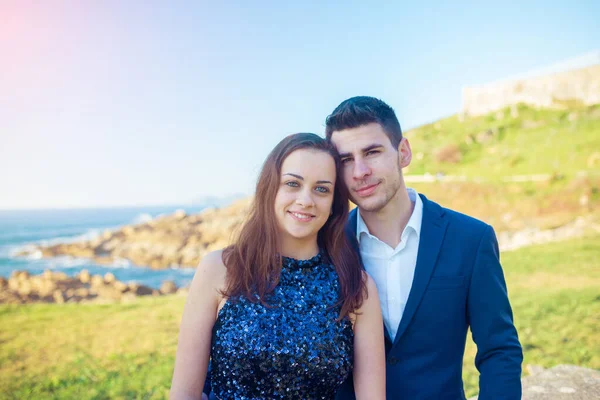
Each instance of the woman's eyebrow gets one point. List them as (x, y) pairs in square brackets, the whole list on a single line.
[(294, 175), (301, 178)]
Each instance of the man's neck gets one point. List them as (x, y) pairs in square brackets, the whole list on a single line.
[(388, 223)]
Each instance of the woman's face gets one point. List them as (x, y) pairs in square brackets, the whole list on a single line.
[(305, 195)]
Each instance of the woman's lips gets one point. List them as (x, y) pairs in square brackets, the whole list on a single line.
[(367, 190), (301, 217)]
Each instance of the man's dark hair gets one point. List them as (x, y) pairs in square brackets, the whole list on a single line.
[(363, 110)]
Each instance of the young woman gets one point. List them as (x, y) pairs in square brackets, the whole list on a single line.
[(286, 311)]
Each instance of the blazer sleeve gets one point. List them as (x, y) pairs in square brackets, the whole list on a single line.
[(499, 354)]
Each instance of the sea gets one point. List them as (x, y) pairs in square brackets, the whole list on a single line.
[(20, 229)]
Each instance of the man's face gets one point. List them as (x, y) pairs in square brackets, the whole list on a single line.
[(371, 166)]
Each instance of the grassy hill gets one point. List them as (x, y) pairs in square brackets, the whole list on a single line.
[(479, 156), (513, 141), (126, 351)]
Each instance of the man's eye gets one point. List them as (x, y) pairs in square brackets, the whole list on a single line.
[(371, 152), (322, 189), (346, 160)]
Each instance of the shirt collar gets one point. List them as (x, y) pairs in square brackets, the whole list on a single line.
[(414, 222)]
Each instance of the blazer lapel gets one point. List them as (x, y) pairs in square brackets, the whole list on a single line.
[(433, 229)]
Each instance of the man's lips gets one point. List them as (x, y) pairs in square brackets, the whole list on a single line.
[(366, 190), (301, 216)]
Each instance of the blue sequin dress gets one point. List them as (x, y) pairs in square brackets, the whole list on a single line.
[(296, 349)]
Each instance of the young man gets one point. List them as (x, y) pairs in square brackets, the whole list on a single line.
[(437, 271)]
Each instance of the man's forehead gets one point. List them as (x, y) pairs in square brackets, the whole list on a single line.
[(359, 138)]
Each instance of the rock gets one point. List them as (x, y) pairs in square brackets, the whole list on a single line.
[(140, 290), (3, 282), (179, 214), (58, 297), (128, 298), (60, 276), (168, 287), (82, 292), (108, 292), (24, 288), (84, 276), (97, 281), (23, 276), (120, 286), (57, 287), (109, 277), (534, 369), (13, 283), (563, 382)]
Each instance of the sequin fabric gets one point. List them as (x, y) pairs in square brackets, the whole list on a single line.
[(294, 350)]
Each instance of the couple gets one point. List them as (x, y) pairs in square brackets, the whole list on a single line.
[(313, 303)]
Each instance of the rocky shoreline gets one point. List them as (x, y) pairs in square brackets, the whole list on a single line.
[(57, 287), (177, 240)]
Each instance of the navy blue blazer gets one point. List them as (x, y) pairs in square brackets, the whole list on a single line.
[(458, 283)]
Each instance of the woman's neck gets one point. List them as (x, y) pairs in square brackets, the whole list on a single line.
[(299, 249)]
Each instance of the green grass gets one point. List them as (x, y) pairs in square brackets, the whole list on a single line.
[(121, 351), (534, 141), (126, 351), (556, 305)]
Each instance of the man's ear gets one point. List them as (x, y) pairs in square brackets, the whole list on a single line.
[(404, 153)]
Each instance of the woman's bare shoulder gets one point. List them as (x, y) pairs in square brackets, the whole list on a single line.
[(212, 269)]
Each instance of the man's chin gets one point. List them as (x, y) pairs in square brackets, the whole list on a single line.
[(369, 204)]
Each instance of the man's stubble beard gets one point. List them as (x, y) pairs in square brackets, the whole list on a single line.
[(389, 194)]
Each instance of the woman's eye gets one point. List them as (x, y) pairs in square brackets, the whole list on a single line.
[(292, 184), (322, 189)]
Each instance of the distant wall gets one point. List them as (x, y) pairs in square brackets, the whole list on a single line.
[(581, 85)]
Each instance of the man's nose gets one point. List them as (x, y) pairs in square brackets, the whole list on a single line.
[(361, 169)]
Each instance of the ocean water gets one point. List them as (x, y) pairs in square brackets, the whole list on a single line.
[(22, 228)]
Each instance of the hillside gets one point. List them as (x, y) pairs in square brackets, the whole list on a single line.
[(517, 140)]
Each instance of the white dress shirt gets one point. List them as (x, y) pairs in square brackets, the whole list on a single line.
[(392, 269)]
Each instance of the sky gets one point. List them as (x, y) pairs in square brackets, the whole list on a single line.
[(108, 103)]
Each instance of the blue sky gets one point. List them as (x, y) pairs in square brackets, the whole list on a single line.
[(106, 103)]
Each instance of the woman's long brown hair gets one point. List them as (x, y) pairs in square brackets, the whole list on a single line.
[(254, 263)]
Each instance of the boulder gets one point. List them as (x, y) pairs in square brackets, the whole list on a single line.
[(563, 382), (168, 287), (109, 278), (84, 276)]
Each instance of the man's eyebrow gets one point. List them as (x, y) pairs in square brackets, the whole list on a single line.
[(371, 147), (294, 175), (364, 150)]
